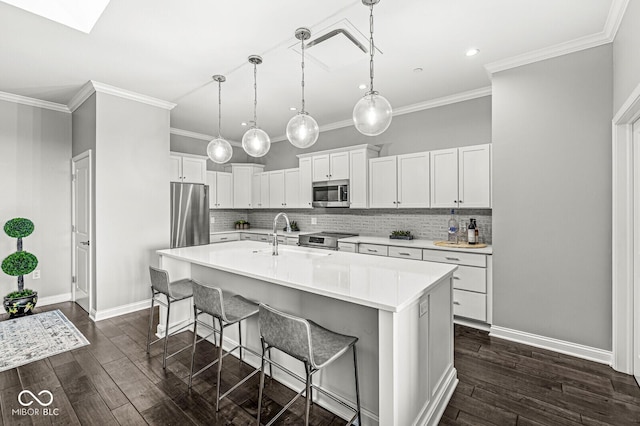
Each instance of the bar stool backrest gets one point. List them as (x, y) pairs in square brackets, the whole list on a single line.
[(209, 300), (286, 332), (160, 280)]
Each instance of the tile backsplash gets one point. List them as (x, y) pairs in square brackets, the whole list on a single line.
[(428, 224)]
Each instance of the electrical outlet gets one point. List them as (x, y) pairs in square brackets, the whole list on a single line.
[(424, 307), (314, 221), (36, 274)]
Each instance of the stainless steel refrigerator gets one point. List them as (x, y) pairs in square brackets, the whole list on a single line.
[(189, 214)]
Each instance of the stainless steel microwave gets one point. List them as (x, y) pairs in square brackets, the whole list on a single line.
[(331, 194)]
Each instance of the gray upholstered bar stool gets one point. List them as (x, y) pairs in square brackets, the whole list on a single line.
[(310, 343), (174, 292), (228, 310)]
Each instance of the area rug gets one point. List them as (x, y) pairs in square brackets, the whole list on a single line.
[(34, 337)]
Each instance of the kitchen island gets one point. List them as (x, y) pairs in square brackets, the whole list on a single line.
[(401, 311)]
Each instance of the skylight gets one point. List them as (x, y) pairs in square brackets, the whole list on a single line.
[(80, 15)]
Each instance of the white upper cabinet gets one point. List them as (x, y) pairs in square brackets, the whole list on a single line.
[(292, 188), (187, 168), (256, 191), (243, 183), (461, 177), (264, 190), (276, 189), (334, 166), (359, 177), (400, 181), (220, 190), (306, 194)]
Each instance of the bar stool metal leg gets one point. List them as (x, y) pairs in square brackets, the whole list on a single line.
[(150, 321), (166, 335), (355, 368), (195, 341), (307, 369), (261, 387), (219, 365), (240, 339)]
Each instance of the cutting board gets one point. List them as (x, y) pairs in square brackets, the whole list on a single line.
[(459, 245)]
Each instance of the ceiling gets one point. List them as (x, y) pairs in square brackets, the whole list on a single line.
[(170, 49)]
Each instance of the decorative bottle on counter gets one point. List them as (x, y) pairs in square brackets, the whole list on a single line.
[(471, 232), (453, 228)]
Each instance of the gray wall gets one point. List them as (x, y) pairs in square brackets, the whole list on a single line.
[(626, 56), (35, 148), (132, 197), (460, 124), (552, 197), (194, 146)]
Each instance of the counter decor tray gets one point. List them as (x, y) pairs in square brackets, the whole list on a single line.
[(459, 245)]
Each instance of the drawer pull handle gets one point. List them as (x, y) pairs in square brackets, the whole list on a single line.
[(456, 278), (372, 250), (451, 258), (222, 239), (455, 302), (404, 254)]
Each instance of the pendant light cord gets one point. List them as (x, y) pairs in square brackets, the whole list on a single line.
[(371, 49), (302, 44), (255, 95), (219, 109)]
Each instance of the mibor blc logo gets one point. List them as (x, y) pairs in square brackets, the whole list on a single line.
[(44, 399)]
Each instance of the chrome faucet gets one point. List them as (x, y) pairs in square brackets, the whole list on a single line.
[(274, 252)]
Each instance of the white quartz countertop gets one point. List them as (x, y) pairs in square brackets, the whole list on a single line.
[(416, 243), (383, 283), (261, 231)]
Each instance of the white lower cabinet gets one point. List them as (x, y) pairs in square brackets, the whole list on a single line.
[(470, 304), (348, 247), (224, 238), (374, 249)]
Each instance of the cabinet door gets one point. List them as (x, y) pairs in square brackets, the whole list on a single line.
[(175, 168), (358, 172), (382, 182), (305, 183), (474, 169), (256, 189), (292, 188), (194, 170), (413, 180), (444, 178), (264, 190), (276, 189), (339, 166), (212, 179), (224, 190), (242, 179), (320, 167)]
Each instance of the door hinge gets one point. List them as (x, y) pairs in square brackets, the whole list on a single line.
[(73, 228), (73, 177), (73, 279)]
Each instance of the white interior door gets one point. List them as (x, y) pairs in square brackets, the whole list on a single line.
[(81, 229), (636, 281)]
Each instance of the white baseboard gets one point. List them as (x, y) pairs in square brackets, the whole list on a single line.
[(434, 408), (369, 418), (471, 323), (561, 346), (52, 300), (119, 310)]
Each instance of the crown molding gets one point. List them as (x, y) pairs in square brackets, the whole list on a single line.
[(607, 35), (200, 136), (94, 86), (24, 100), (408, 109)]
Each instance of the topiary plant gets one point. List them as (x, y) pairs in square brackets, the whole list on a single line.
[(20, 263)]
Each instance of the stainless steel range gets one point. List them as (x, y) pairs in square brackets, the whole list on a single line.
[(323, 240)]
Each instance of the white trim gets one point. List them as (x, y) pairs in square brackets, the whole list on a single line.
[(408, 109), (25, 100), (200, 136), (52, 300), (342, 149), (94, 86), (561, 346), (441, 397), (119, 310), (184, 154), (607, 35), (471, 323), (623, 232)]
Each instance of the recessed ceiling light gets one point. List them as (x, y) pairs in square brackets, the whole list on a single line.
[(292, 108), (472, 52), (362, 86), (417, 69), (244, 123)]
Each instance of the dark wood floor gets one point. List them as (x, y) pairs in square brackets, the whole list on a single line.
[(113, 381)]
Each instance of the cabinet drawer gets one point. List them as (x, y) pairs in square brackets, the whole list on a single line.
[(375, 249), (292, 241), (470, 278), (405, 252), (456, 257), (263, 237), (348, 247), (470, 305), (247, 237), (223, 238)]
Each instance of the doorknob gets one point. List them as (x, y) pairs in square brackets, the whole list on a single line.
[(84, 243)]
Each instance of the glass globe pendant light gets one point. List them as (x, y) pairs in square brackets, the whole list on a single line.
[(372, 114), (302, 129), (219, 149), (255, 141)]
